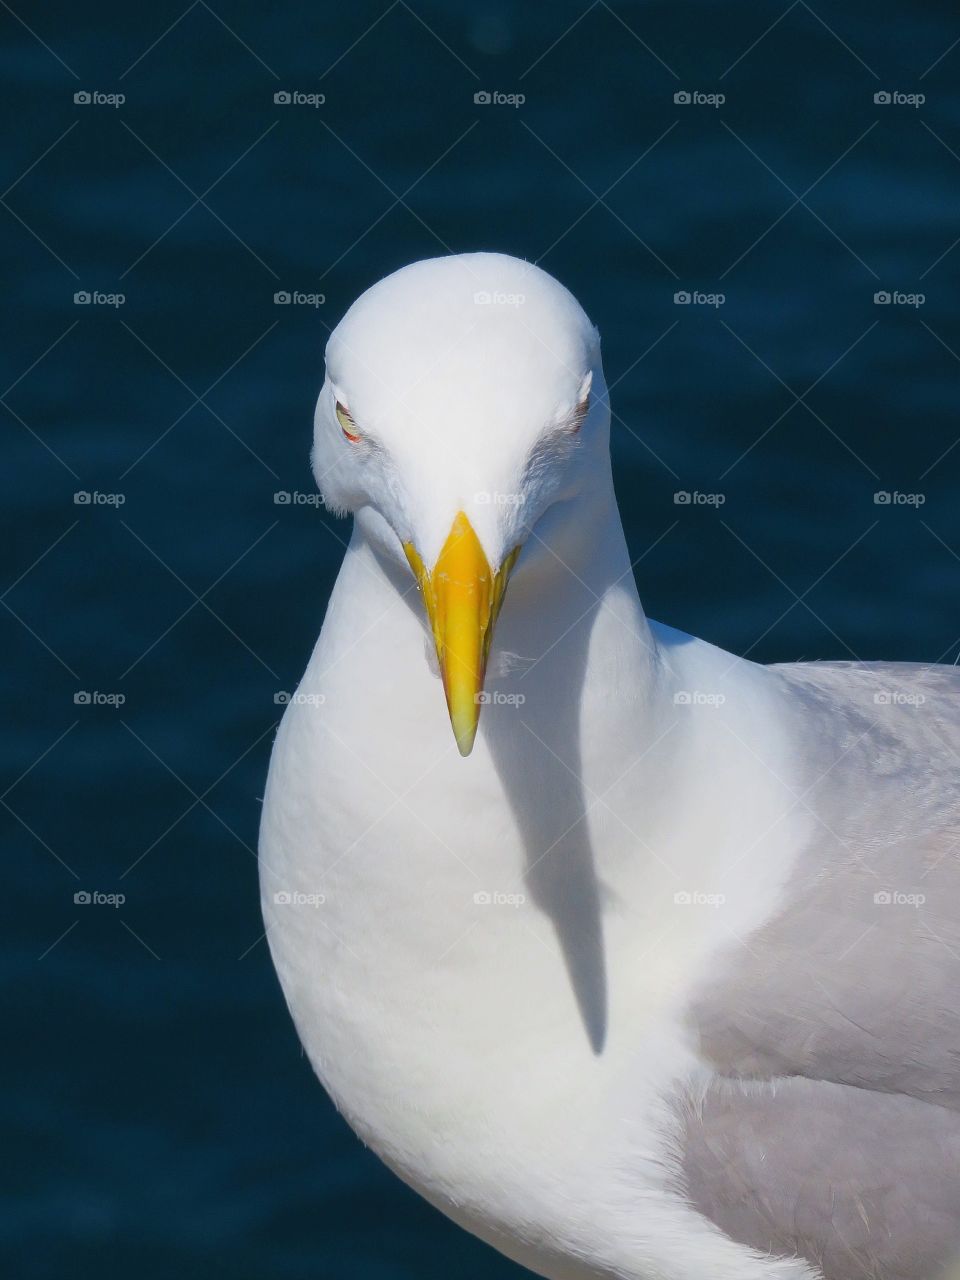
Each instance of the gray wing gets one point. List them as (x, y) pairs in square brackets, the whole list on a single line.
[(861, 1184), (833, 1128)]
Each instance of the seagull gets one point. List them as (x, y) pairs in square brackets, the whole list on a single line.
[(650, 968)]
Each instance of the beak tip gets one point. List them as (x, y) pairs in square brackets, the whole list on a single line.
[(465, 736)]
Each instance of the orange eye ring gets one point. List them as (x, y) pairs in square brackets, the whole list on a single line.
[(346, 423)]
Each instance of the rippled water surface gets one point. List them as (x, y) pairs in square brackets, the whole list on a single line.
[(160, 1119)]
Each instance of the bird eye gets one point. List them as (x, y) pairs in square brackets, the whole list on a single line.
[(347, 424)]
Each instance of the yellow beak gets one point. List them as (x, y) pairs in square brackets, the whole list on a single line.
[(462, 596)]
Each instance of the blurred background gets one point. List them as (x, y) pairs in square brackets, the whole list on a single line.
[(194, 193)]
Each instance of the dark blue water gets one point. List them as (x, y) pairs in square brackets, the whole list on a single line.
[(159, 1117)]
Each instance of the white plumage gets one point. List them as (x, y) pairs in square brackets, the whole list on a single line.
[(492, 961)]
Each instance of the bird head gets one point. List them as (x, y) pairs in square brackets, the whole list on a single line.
[(463, 399)]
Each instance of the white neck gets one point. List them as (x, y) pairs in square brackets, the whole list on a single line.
[(595, 792)]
